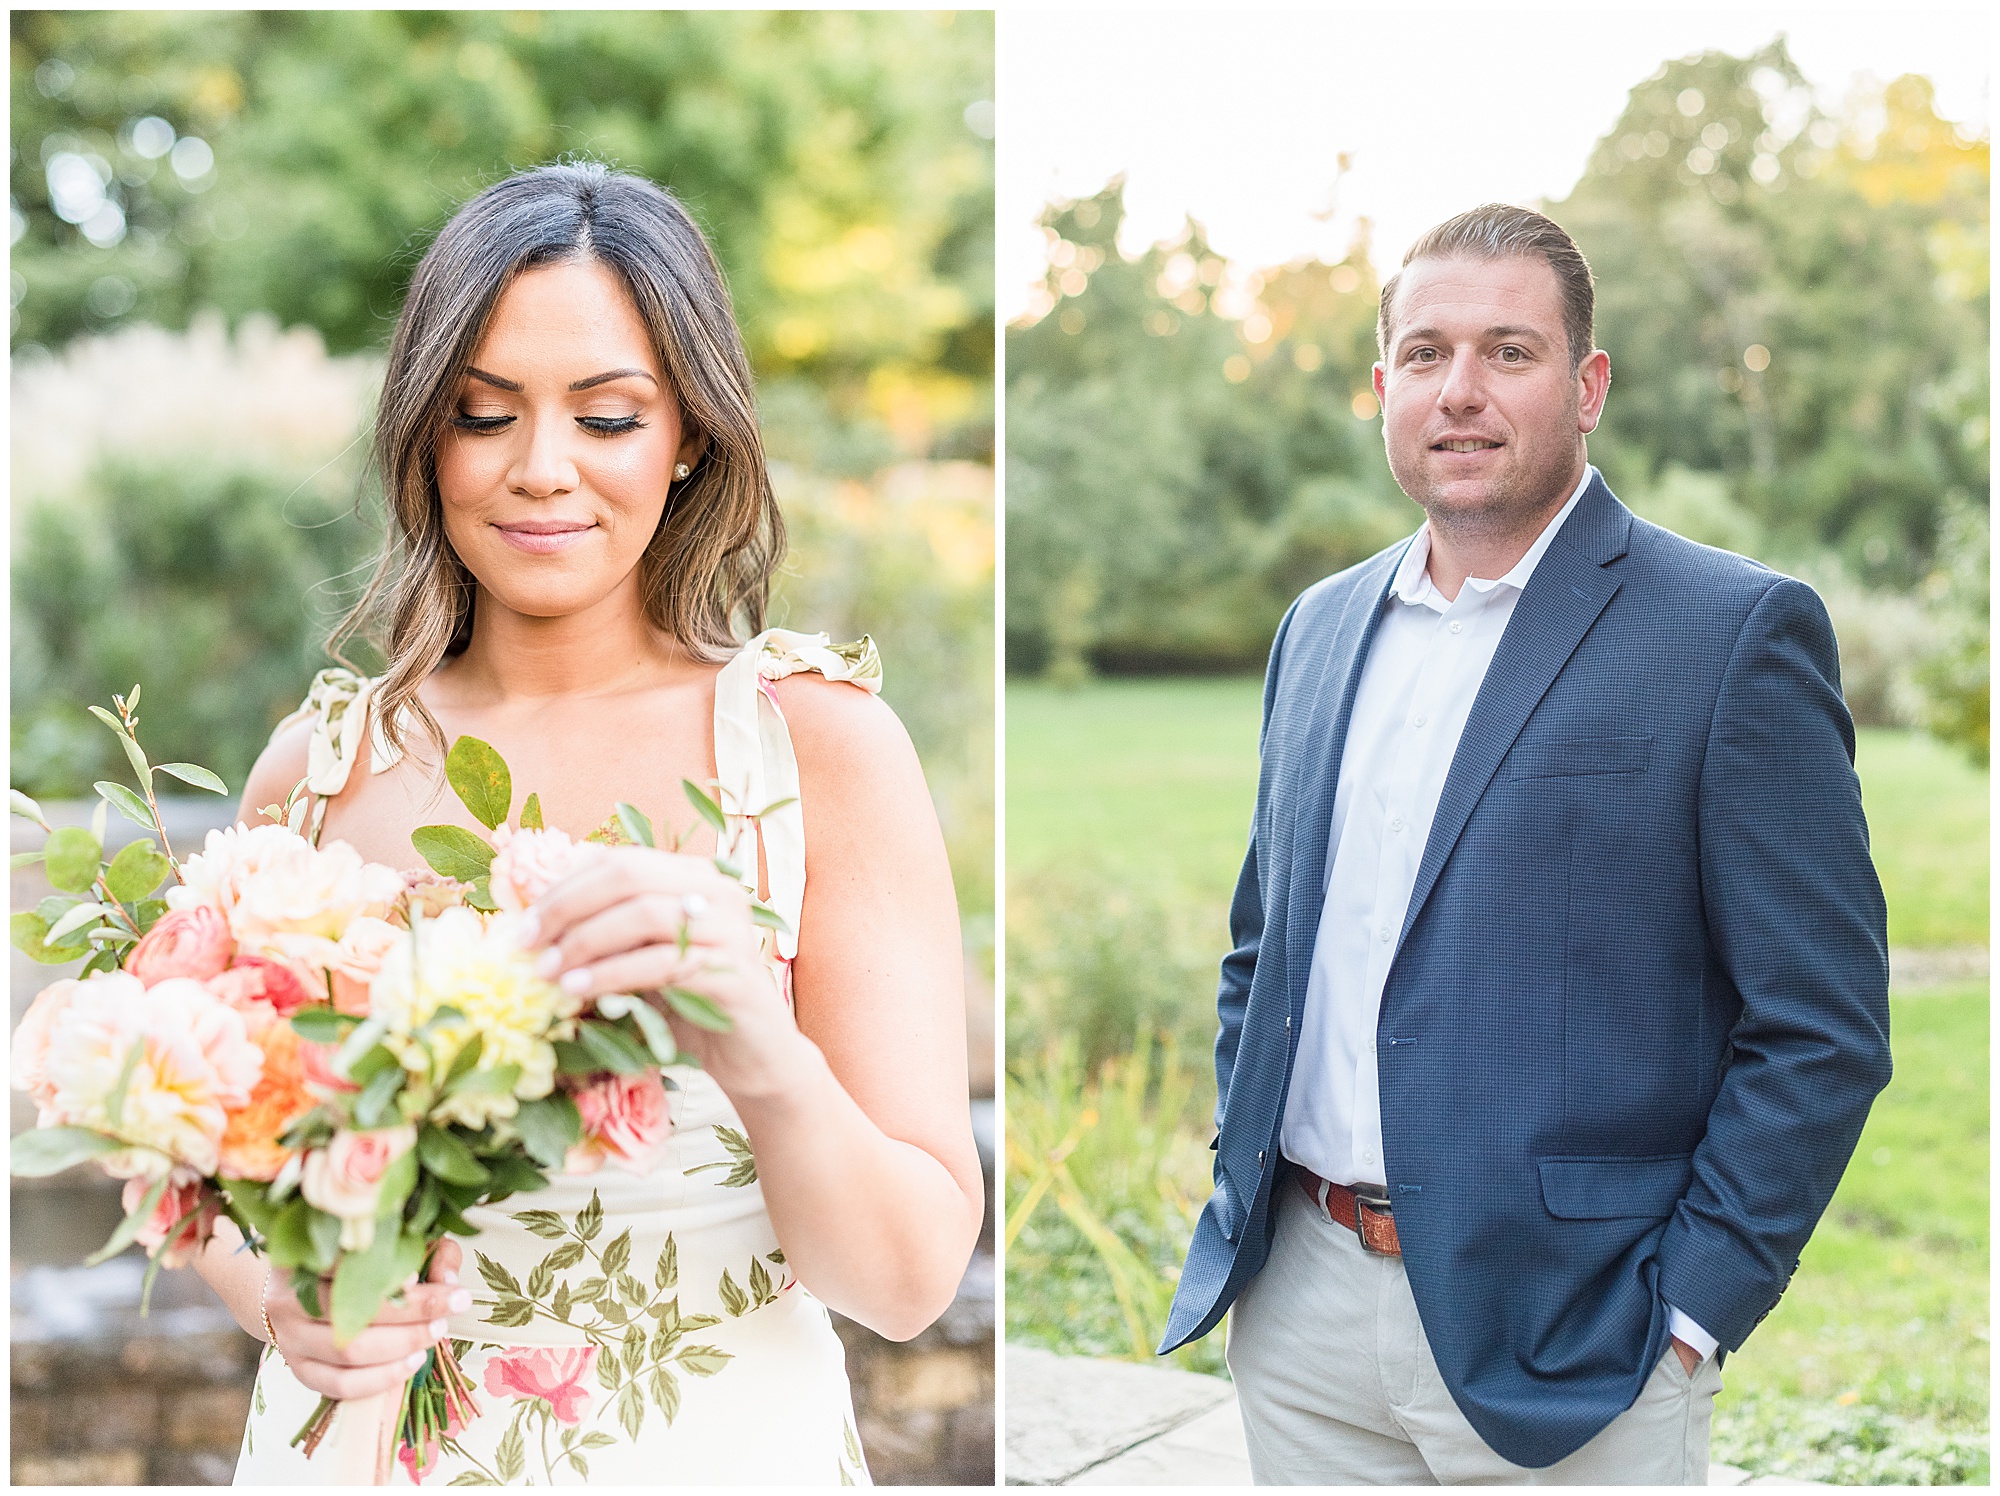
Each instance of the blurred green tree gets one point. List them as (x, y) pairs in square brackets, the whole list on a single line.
[(296, 162)]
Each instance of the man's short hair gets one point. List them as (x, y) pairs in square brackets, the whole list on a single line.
[(1497, 231)]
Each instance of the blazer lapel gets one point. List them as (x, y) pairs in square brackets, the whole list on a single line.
[(1319, 774), (1569, 588)]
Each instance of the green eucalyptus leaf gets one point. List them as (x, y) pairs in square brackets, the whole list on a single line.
[(196, 775), (136, 871), (448, 1158), (371, 1107), (453, 851), (73, 856), (612, 1048), (363, 1282), (21, 805), (635, 824), (705, 807), (127, 804), (531, 814), (479, 775), (29, 933), (698, 1010), (43, 1151), (549, 1128), (24, 859), (321, 1025)]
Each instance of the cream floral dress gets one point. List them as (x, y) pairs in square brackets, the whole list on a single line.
[(626, 1330)]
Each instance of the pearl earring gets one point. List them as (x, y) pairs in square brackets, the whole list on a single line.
[(680, 470)]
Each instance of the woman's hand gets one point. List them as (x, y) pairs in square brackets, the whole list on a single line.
[(634, 919), (383, 1356)]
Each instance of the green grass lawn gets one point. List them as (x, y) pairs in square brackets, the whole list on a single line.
[(1155, 779), (1874, 1368)]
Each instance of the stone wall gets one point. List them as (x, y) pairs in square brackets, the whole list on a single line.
[(102, 1396)]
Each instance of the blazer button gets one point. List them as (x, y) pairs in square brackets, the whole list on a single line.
[(1260, 1155)]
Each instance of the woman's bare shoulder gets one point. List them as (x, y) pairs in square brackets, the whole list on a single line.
[(841, 731), (278, 769)]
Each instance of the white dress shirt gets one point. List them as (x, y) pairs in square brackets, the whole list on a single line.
[(1424, 668)]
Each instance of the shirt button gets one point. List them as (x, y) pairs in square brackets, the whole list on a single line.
[(1457, 627), (1419, 720), (1368, 1156), (1385, 934), (1395, 823)]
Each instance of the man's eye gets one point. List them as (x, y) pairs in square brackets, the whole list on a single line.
[(1511, 355), (1424, 356)]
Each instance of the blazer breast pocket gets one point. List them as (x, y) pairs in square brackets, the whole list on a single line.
[(1608, 1189), (1561, 758)]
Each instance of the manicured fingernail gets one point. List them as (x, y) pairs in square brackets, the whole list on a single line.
[(460, 1302), (576, 981), (548, 963), (531, 928), (450, 1276), (438, 1328), (416, 1359)]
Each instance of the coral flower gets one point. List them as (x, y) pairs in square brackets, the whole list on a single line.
[(250, 1141), (554, 1374), (182, 943)]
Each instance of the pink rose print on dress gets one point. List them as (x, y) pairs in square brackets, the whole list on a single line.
[(553, 1373)]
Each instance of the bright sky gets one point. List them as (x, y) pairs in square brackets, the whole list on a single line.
[(1237, 117)]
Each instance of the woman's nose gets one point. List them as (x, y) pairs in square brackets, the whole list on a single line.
[(543, 467)]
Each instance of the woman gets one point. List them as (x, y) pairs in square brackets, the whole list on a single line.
[(581, 516)]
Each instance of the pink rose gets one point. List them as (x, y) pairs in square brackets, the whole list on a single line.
[(187, 1202), (529, 863), (362, 948), (344, 1178), (626, 1119), (316, 1062), (552, 1374), (184, 943), (259, 979)]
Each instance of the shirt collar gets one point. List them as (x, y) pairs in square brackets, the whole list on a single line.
[(1412, 582)]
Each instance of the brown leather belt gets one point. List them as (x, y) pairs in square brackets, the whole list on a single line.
[(1374, 1225)]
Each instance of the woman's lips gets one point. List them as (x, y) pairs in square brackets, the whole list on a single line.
[(542, 538)]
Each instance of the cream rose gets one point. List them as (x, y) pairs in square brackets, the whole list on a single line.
[(344, 1178), (191, 1060), (283, 897)]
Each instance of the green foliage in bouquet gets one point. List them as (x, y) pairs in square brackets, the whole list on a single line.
[(100, 909)]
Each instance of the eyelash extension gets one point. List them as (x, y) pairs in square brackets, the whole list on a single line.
[(480, 423), (609, 425)]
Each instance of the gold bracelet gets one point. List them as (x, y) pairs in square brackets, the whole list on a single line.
[(264, 1310)]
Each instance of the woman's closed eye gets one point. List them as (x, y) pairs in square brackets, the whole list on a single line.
[(595, 425)]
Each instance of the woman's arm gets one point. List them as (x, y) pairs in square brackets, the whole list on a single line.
[(857, 1114)]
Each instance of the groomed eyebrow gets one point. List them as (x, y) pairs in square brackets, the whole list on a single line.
[(582, 384), (1504, 333)]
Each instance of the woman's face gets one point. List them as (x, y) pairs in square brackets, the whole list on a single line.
[(555, 463)]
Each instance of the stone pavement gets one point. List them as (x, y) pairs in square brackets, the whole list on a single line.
[(1080, 1421)]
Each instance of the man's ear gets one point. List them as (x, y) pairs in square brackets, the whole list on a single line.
[(1593, 379), (1378, 378)]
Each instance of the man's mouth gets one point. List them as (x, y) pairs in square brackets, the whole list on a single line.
[(1469, 444)]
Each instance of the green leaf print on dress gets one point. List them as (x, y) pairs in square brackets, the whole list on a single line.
[(741, 1163), (635, 1368)]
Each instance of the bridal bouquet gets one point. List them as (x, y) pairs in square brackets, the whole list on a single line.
[(340, 1058)]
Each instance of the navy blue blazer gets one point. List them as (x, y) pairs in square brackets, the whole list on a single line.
[(1639, 1008)]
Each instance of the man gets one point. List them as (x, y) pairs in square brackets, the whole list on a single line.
[(1559, 989)]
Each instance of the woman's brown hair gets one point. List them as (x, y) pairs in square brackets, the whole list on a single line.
[(709, 565)]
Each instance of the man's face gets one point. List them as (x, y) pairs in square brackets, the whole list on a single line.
[(1482, 415)]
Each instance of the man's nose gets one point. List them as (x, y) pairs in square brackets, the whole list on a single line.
[(1464, 389), (544, 468)]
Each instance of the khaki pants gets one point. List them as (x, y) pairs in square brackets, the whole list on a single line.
[(1337, 1385)]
